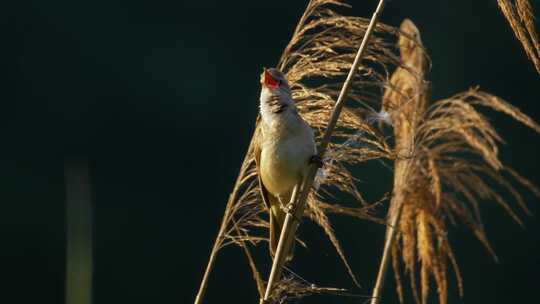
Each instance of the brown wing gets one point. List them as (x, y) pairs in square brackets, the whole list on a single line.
[(257, 154)]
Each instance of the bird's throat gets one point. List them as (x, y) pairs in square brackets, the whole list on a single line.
[(272, 104)]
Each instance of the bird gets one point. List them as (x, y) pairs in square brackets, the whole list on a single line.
[(284, 150)]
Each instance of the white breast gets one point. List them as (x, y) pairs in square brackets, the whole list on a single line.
[(285, 159)]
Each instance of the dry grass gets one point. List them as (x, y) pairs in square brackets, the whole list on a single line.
[(446, 154), (520, 16), (315, 62), (446, 163), (455, 166), (291, 289), (321, 51)]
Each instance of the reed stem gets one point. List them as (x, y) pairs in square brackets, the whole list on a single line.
[(383, 267)]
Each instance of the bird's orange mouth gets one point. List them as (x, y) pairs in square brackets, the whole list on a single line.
[(269, 81)]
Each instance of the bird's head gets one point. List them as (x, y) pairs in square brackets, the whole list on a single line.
[(273, 79), (276, 94)]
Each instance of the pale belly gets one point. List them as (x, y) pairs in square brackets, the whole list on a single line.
[(283, 165)]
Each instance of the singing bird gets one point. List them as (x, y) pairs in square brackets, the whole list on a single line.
[(284, 149)]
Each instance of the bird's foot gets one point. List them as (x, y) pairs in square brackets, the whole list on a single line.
[(316, 160), (289, 209)]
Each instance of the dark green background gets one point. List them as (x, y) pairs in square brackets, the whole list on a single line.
[(161, 96)]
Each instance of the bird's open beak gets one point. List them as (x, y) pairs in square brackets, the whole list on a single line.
[(268, 81)]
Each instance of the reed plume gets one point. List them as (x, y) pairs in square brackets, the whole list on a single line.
[(404, 101), (315, 63), (446, 163), (455, 166)]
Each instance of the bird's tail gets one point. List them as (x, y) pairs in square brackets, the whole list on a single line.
[(277, 219)]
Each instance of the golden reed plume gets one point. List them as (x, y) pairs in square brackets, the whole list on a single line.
[(446, 162)]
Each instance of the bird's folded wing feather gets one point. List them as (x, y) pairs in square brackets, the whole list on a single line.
[(257, 154)]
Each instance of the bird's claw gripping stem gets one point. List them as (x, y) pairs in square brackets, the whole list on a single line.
[(290, 209)]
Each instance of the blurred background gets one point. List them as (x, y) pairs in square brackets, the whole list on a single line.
[(161, 97)]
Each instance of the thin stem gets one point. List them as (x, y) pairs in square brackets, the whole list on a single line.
[(251, 261), (402, 167), (223, 227), (289, 227), (209, 266), (391, 232)]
